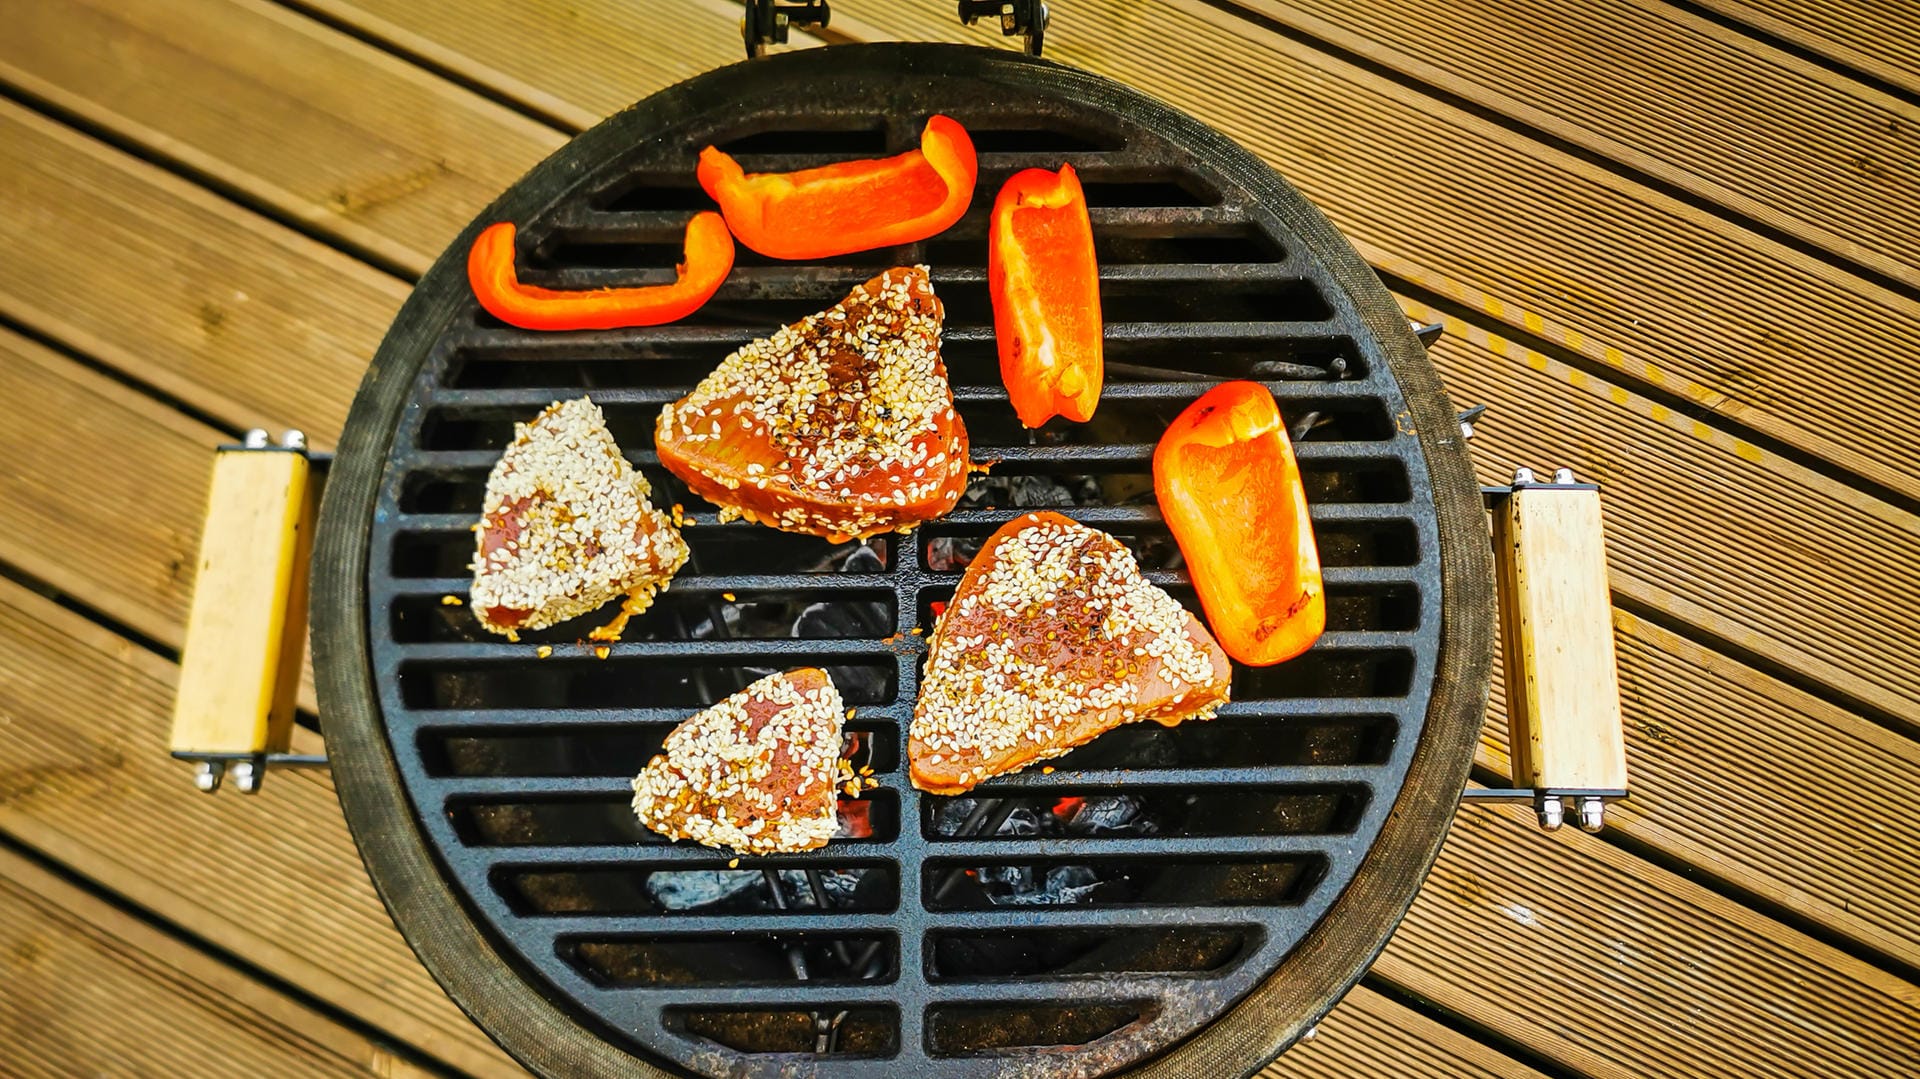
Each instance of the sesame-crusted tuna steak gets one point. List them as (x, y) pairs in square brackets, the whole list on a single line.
[(755, 773), (566, 526), (840, 425), (1052, 639)]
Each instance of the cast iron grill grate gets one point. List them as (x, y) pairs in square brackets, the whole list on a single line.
[(1077, 920)]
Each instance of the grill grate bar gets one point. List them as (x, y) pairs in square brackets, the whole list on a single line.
[(481, 721), (1306, 776), (1064, 456), (747, 650), (953, 851), (522, 401), (576, 926), (582, 218), (570, 927)]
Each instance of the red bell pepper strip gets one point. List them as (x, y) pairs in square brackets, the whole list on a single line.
[(709, 258), (1230, 490), (850, 206), (1046, 296)]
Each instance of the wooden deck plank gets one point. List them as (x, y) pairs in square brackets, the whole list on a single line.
[(100, 528), (1368, 1036), (1778, 507), (92, 990), (1742, 775), (1666, 476), (392, 159), (274, 877), (1669, 295), (163, 280), (1611, 967), (1877, 37), (1766, 134), (616, 53)]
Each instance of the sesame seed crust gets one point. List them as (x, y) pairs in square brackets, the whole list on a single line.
[(1052, 639), (756, 773), (566, 526), (840, 425)]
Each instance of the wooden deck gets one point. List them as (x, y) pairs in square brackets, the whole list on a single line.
[(1676, 246)]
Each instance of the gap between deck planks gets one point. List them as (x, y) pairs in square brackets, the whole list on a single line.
[(89, 988), (1766, 135), (1464, 995), (1880, 38), (1551, 245), (318, 314), (84, 778)]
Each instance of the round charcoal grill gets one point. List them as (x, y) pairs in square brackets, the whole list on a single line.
[(1162, 902)]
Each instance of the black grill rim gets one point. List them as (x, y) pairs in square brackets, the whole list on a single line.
[(536, 1030)]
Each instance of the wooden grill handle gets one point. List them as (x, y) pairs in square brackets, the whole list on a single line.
[(247, 626), (1563, 691)]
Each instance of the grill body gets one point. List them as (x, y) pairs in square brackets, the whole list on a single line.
[(487, 787)]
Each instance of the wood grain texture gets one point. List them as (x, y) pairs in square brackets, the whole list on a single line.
[(1692, 511), (164, 280), (1877, 37), (614, 53), (1368, 1036), (85, 779), (1611, 967), (109, 511), (92, 990), (1557, 635), (1761, 132), (389, 158), (1669, 295), (1717, 748)]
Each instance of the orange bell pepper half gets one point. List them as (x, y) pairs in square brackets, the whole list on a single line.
[(1046, 296), (709, 258), (1230, 490), (849, 206)]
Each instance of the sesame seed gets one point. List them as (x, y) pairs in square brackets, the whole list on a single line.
[(566, 526), (1036, 654), (738, 775)]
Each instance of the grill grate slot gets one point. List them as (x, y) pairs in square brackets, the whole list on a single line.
[(936, 953), (962, 1030)]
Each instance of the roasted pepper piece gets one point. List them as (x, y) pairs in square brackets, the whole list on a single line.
[(850, 206), (709, 258), (1046, 296), (1230, 490)]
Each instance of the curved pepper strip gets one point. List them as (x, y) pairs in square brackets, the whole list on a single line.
[(1046, 296), (850, 206), (1230, 490), (709, 258)]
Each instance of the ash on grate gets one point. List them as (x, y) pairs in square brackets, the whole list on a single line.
[(749, 890)]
